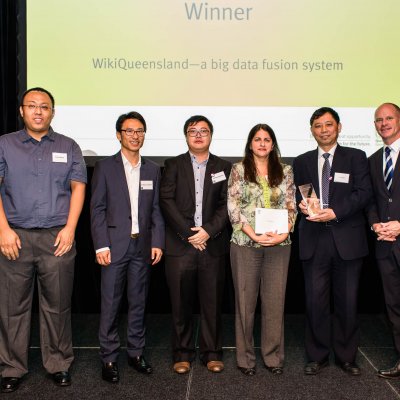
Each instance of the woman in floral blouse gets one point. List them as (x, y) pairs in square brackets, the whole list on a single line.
[(260, 262)]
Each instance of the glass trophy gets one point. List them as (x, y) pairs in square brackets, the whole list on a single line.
[(310, 198)]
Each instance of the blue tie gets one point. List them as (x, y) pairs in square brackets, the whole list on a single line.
[(326, 173), (388, 173)]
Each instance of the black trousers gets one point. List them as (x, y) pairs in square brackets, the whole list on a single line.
[(196, 273), (326, 274), (390, 273)]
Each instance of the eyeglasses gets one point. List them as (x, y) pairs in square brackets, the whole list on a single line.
[(202, 132), (131, 132), (33, 107)]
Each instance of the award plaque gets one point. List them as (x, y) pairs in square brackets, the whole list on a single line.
[(271, 220), (310, 198)]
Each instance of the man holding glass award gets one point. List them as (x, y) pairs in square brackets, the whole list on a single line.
[(332, 242)]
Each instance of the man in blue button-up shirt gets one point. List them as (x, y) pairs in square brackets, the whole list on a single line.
[(43, 177)]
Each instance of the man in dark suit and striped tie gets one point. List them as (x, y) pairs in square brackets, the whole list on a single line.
[(332, 243), (384, 216)]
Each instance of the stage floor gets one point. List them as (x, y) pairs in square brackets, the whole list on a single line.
[(376, 351)]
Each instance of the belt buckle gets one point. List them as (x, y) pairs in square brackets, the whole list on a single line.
[(134, 235)]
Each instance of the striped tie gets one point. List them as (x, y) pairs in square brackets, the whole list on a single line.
[(326, 173), (388, 174)]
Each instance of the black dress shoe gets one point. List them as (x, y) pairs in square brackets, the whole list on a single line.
[(314, 368), (110, 373), (390, 373), (10, 384), (247, 371), (350, 368), (140, 364), (275, 370), (62, 378)]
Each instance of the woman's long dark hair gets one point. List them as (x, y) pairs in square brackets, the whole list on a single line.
[(275, 170)]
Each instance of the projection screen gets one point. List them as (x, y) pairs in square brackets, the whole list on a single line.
[(239, 62)]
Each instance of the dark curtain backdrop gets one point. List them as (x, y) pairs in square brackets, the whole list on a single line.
[(87, 274), (12, 62)]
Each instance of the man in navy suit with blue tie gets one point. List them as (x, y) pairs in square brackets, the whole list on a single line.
[(128, 235), (384, 216), (332, 243)]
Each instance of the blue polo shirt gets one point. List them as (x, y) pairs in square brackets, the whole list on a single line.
[(37, 176)]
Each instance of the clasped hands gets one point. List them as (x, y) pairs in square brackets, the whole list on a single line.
[(199, 240), (387, 231), (322, 215), (270, 238)]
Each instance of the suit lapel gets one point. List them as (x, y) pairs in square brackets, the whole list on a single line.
[(120, 171), (313, 171), (378, 170), (143, 176), (188, 170), (339, 160), (210, 169), (396, 174)]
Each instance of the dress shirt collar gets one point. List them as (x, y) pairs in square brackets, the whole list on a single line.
[(194, 159), (331, 151), (25, 137), (395, 146), (128, 165)]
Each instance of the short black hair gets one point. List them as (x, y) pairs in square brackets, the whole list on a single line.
[(38, 89), (323, 110), (194, 120), (130, 115)]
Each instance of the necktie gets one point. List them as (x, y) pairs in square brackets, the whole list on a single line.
[(388, 173), (326, 173)]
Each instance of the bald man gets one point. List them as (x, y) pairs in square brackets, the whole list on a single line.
[(384, 216)]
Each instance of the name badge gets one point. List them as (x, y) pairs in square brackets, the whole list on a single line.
[(218, 177), (341, 177), (146, 185), (60, 157)]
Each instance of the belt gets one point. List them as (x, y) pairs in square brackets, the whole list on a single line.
[(134, 235)]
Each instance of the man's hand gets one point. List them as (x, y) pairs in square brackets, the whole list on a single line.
[(200, 247), (156, 254), (323, 215), (303, 207), (64, 241), (104, 258), (199, 239), (10, 243), (387, 231)]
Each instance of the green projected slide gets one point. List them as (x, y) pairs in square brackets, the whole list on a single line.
[(239, 62)]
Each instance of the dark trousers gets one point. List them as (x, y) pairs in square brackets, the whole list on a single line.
[(325, 273), (133, 272), (390, 273), (55, 276), (196, 273)]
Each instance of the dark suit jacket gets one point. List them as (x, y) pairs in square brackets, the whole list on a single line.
[(346, 199), (177, 200), (385, 205), (110, 207)]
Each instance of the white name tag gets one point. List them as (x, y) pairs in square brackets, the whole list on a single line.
[(341, 177), (146, 185), (60, 157), (218, 177)]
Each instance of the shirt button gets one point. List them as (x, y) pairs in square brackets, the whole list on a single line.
[(390, 200)]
